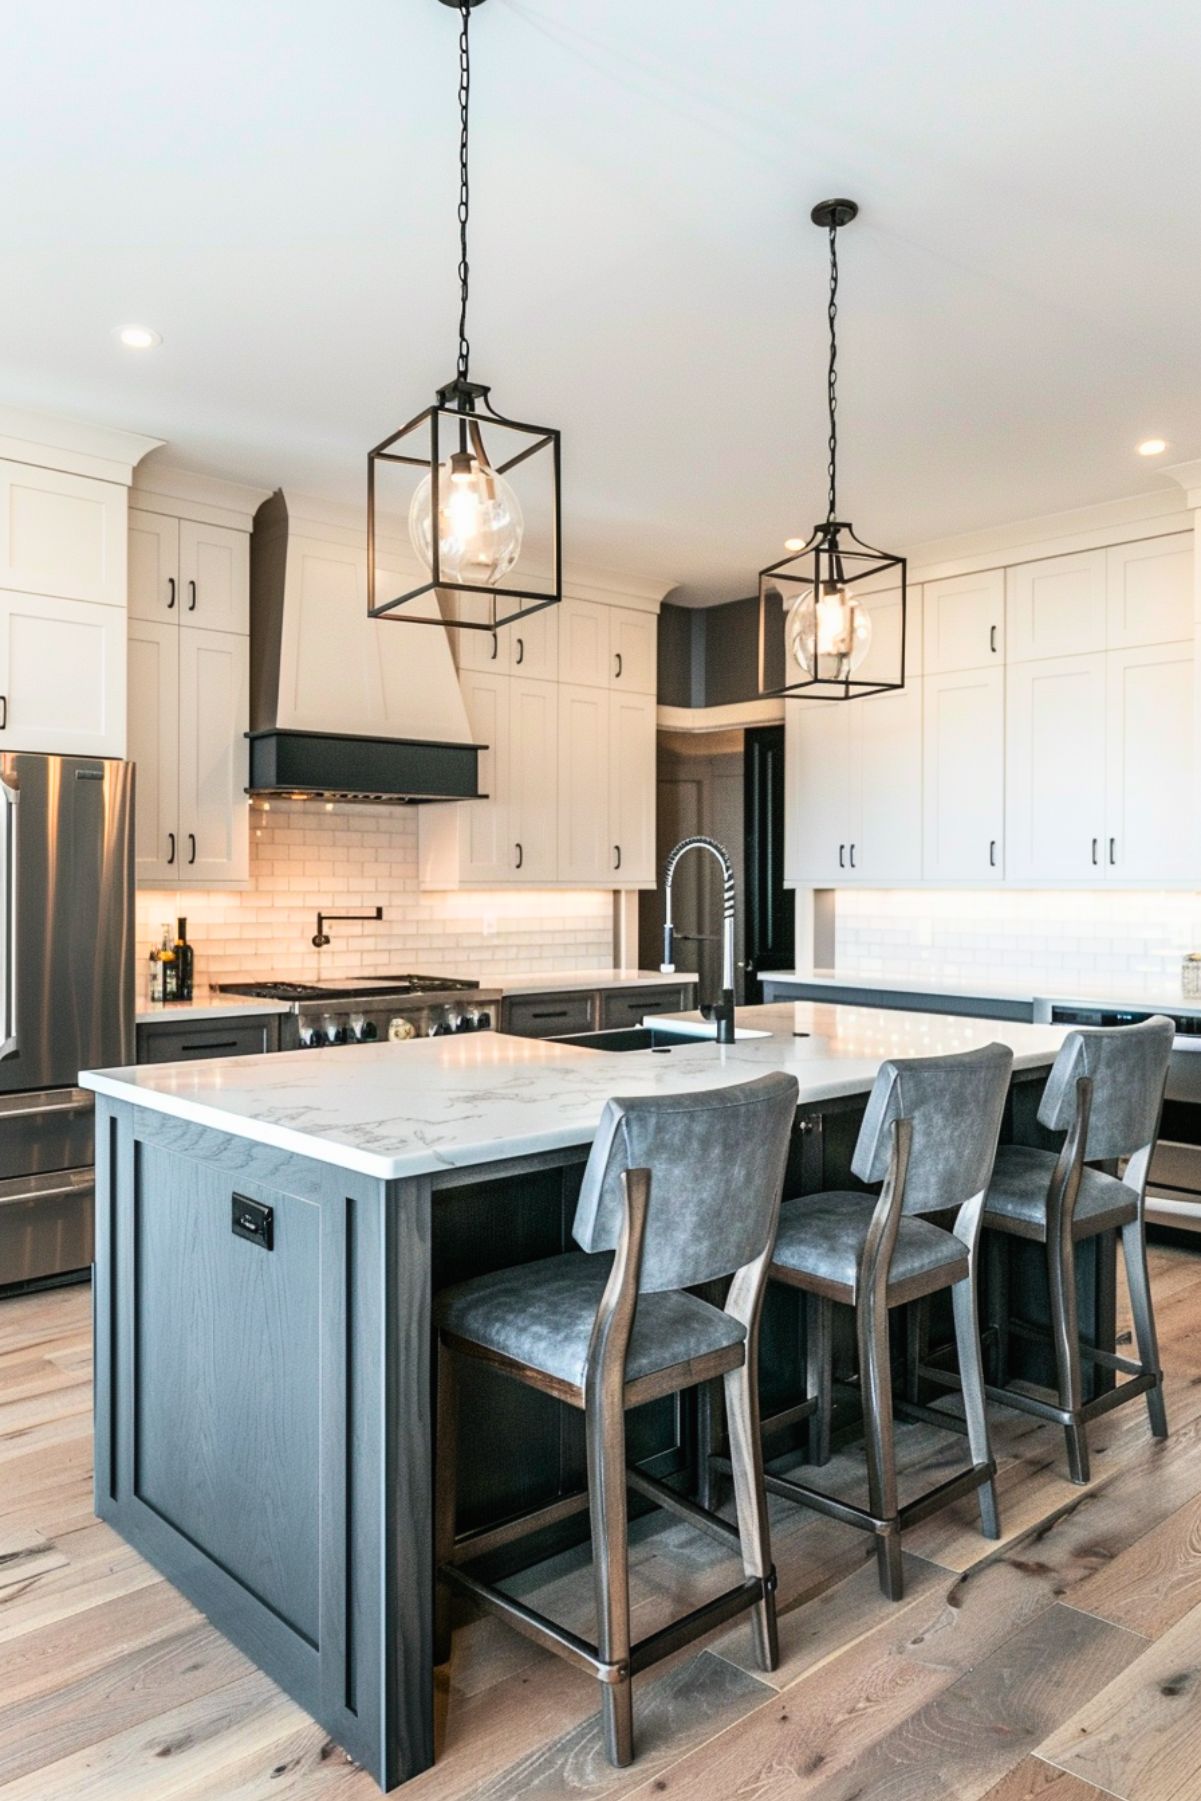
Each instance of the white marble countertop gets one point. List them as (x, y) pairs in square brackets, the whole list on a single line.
[(585, 981), (394, 1110), (1111, 994), (215, 1006)]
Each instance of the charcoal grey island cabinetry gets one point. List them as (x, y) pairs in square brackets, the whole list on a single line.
[(270, 1231)]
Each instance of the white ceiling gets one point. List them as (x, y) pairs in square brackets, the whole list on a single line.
[(272, 188)]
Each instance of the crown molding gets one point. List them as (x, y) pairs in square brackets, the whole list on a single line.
[(165, 488), (51, 441), (1189, 477), (1153, 514)]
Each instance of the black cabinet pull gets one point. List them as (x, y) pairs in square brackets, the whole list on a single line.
[(842, 861), (1112, 850), (171, 857), (1095, 849), (192, 847), (227, 1044), (852, 856), (617, 667), (4, 718), (992, 639), (171, 585), (992, 853), (192, 599), (495, 647), (520, 855), (560, 1013), (617, 856), (520, 652)]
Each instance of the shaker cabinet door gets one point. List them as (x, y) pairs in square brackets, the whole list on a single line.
[(62, 676), (154, 748), (632, 789), (1151, 586), (533, 766), (963, 756), (964, 619), (585, 835), (62, 534), (817, 792), (153, 566), (214, 676), (214, 577), (1055, 769), (1055, 607), (886, 776), (634, 649), (1151, 792)]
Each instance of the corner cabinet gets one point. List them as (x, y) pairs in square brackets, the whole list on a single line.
[(570, 768), (189, 699)]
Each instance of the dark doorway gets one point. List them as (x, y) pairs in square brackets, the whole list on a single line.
[(770, 914)]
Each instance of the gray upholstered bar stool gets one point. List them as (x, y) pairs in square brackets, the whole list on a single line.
[(1105, 1093), (930, 1135), (682, 1190)]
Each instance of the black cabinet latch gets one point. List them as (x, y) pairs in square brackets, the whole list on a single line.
[(250, 1219)]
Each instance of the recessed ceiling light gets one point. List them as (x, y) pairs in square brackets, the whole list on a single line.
[(794, 543), (1152, 447), (137, 337)]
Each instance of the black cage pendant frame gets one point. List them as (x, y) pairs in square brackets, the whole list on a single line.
[(833, 556), (462, 405)]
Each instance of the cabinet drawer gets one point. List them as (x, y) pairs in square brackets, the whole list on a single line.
[(626, 1007), (547, 1015), (181, 1043)]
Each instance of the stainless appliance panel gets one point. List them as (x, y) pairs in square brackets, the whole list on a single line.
[(45, 1129), (64, 890), (46, 1225)]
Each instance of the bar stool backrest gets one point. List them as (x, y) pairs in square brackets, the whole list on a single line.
[(717, 1161), (954, 1105), (1128, 1066)]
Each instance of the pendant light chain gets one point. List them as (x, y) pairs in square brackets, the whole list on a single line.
[(832, 378), (464, 187)]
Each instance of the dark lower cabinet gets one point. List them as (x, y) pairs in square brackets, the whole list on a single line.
[(177, 1041)]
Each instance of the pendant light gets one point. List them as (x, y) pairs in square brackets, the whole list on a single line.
[(468, 523), (827, 627)]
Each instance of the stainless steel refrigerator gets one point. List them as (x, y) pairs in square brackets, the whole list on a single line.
[(66, 996)]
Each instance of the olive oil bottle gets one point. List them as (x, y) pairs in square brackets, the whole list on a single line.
[(183, 962)]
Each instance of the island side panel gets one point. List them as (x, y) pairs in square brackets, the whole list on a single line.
[(263, 1414)]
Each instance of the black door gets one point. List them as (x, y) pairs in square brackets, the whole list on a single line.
[(770, 914)]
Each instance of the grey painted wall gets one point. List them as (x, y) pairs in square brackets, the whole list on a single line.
[(709, 656)]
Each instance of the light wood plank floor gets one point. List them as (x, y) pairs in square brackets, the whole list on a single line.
[(1063, 1664)]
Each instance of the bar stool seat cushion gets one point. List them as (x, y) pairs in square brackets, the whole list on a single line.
[(541, 1314), (823, 1236), (1017, 1195)]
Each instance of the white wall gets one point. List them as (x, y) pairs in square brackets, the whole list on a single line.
[(305, 855)]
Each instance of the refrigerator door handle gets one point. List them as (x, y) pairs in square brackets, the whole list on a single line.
[(9, 795)]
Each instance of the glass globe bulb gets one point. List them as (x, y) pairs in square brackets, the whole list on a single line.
[(480, 525), (829, 632)]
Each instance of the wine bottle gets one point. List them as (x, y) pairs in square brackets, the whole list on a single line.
[(168, 965), (183, 963)]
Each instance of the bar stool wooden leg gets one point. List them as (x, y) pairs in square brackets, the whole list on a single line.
[(1138, 1282), (996, 1275), (444, 1495), (709, 1434), (605, 1433), (875, 1375), (750, 1498), (1065, 1334), (819, 1373), (971, 1377)]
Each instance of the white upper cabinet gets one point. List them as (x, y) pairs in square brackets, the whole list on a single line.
[(884, 655), (584, 643), (154, 748), (214, 679), (963, 751), (886, 776), (62, 534), (1055, 806), (1150, 589), (1056, 607), (633, 788), (585, 841), (214, 577), (62, 676), (633, 650), (817, 785), (153, 566), (964, 622), (529, 646), (533, 767), (1151, 799)]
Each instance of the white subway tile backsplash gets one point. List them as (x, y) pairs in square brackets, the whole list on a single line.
[(1024, 934), (352, 859)]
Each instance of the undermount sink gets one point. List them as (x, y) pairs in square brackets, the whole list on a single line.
[(649, 1038)]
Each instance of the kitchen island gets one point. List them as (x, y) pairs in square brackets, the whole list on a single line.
[(270, 1231)]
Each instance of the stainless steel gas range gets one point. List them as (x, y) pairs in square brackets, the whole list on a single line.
[(368, 1009)]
